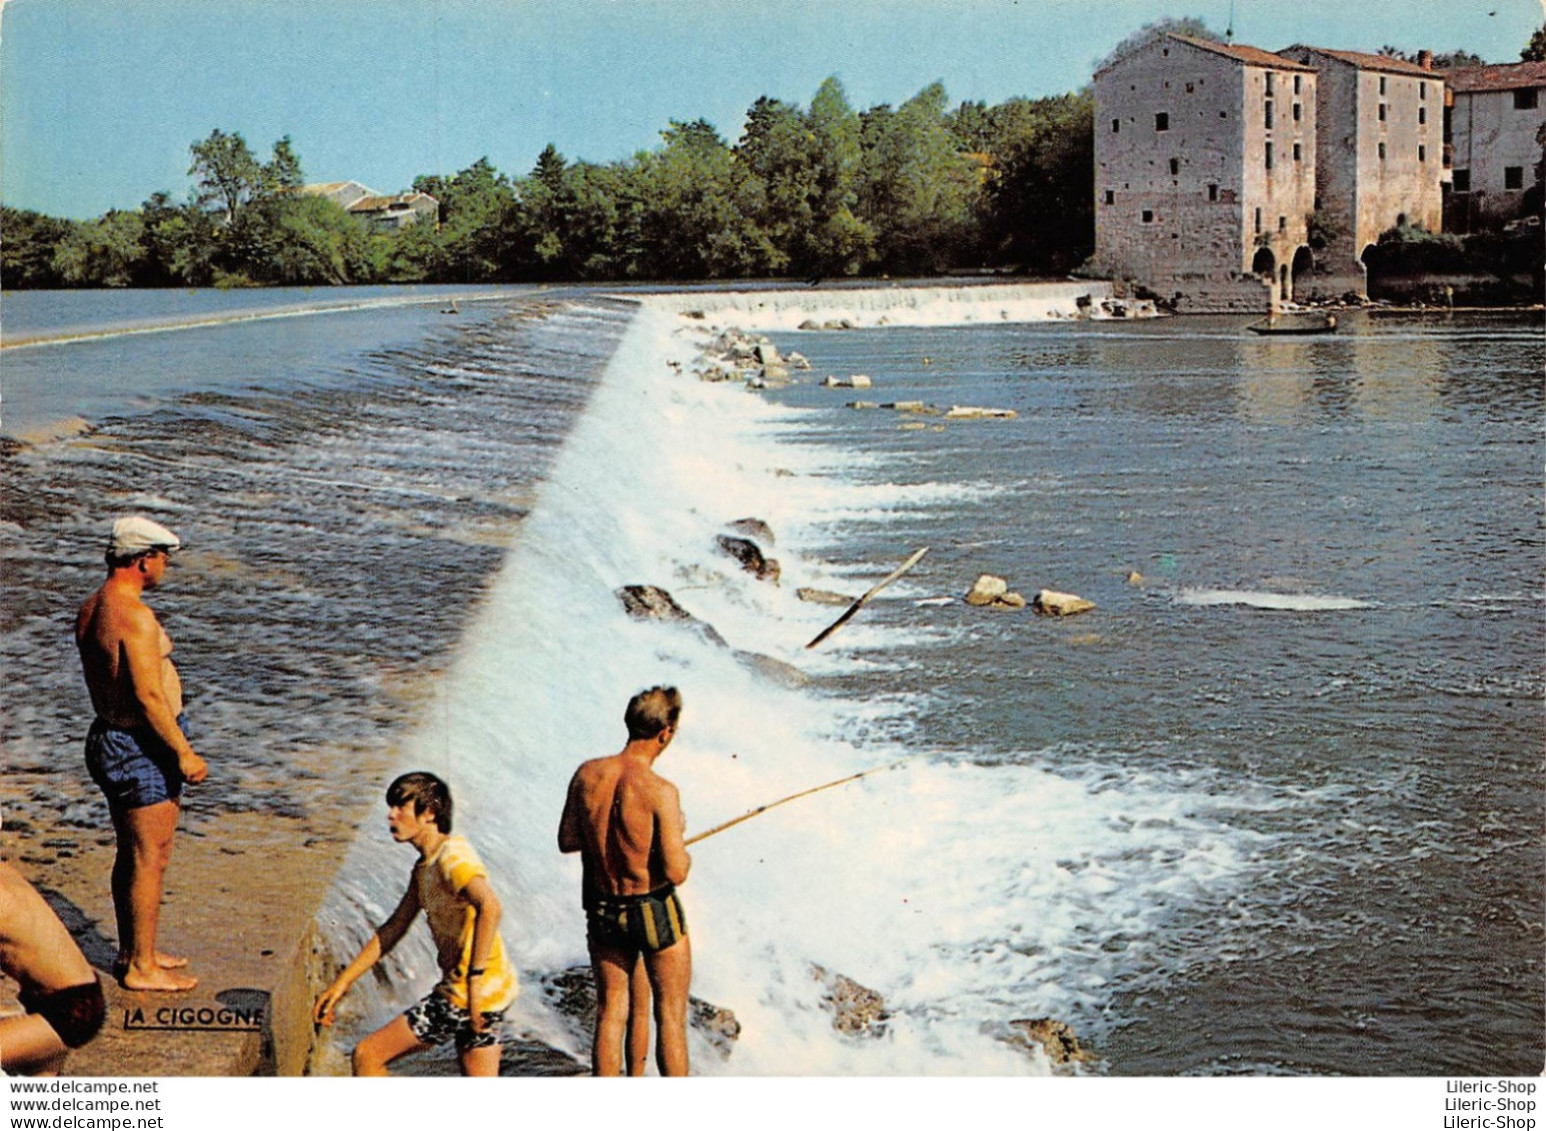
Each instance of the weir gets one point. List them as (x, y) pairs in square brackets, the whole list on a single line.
[(658, 466)]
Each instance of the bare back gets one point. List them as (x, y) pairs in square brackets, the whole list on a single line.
[(627, 820), (35, 947), (120, 641)]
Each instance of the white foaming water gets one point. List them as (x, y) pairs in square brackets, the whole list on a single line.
[(968, 895)]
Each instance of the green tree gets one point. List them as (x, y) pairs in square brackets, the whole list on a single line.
[(105, 252), (699, 210), (27, 248), (919, 190), (225, 173), (1039, 208), (473, 208), (1535, 50)]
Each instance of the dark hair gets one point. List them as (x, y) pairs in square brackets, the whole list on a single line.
[(427, 792), (652, 711), (119, 561)]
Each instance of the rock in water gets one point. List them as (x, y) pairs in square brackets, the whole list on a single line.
[(750, 555), (823, 597), (1056, 1039), (650, 602), (754, 528), (987, 589), (857, 1011), (1051, 603), (572, 993)]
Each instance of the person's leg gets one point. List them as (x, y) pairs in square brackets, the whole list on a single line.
[(144, 851), (611, 965), (670, 973), (30, 1047), (638, 1018), (394, 1039), (480, 1061)]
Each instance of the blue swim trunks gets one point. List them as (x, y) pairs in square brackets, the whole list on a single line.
[(133, 767)]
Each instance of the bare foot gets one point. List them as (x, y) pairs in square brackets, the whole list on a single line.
[(164, 961), (156, 979)]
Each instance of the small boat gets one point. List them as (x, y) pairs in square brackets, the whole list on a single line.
[(1295, 324)]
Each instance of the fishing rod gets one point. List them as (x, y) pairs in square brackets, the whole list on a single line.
[(795, 796)]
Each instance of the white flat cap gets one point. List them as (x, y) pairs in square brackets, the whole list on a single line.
[(136, 534)]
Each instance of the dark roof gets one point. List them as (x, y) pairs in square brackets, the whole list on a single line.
[(1501, 76), (1367, 62)]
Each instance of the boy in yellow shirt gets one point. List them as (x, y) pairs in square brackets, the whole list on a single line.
[(477, 984)]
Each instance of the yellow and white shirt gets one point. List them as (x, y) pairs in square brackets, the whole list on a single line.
[(441, 880)]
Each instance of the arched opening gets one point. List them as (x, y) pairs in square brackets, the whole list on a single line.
[(1265, 267), (1304, 263)]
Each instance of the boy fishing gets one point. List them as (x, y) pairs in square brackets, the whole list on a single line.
[(477, 984)]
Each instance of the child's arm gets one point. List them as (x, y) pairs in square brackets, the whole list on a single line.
[(485, 925), (386, 936)]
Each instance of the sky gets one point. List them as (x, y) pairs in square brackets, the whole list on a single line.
[(100, 99)]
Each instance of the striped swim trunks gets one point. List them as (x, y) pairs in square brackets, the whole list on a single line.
[(649, 923)]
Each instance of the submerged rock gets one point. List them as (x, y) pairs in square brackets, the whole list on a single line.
[(1051, 603), (856, 381), (751, 557), (753, 528), (572, 993), (1054, 1038), (651, 602), (823, 597), (972, 412), (857, 1011)]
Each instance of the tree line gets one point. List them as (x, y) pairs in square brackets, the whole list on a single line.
[(806, 191)]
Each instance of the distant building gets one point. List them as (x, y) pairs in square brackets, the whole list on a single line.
[(341, 193), (1497, 132), (1379, 155), (389, 213), (381, 213), (1205, 172)]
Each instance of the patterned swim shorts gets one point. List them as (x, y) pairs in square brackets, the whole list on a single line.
[(436, 1021)]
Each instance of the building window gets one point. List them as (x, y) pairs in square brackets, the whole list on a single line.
[(1513, 177), (1422, 115), (1298, 111), (1258, 221), (1382, 111), (1422, 91), (1269, 155), (1213, 192), (1148, 216), (1282, 223), (1382, 85), (1190, 87), (1161, 122), (1116, 125), (1382, 151), (1223, 114), (1111, 197), (1298, 152), (1527, 99), (1175, 166), (1296, 83), (1462, 180), (1270, 77), (1422, 154), (1268, 116)]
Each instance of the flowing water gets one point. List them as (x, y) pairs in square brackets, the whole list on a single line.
[(1276, 808)]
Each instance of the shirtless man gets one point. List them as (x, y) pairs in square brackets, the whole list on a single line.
[(626, 823), (137, 750), (59, 990)]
